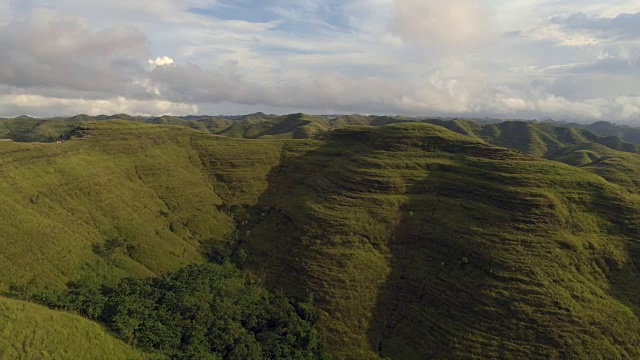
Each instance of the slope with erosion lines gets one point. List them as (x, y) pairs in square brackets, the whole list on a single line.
[(609, 157), (125, 200), (538, 139), (417, 242), (414, 241)]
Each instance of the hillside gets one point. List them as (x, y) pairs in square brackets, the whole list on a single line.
[(413, 240), (30, 331), (538, 139), (607, 156), (128, 199), (627, 133), (421, 243), (295, 126)]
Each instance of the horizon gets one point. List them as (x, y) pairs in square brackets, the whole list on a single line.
[(461, 59), (417, 117)]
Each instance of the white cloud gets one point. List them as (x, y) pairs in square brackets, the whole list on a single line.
[(37, 105), (454, 23), (162, 61), (371, 56), (562, 37), (49, 50)]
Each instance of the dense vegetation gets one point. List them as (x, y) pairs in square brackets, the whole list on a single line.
[(200, 312), (511, 240)]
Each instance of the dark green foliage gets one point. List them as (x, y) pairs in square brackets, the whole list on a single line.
[(112, 245), (200, 312)]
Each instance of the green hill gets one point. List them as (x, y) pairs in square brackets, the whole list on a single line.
[(421, 243), (30, 331), (532, 137), (413, 240), (603, 128), (609, 157), (538, 139), (127, 199), (28, 130)]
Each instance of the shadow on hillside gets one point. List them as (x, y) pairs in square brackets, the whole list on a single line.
[(278, 224), (624, 278), (431, 298), (447, 295), (463, 280)]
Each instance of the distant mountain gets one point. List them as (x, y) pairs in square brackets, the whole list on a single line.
[(260, 124), (604, 128), (539, 139)]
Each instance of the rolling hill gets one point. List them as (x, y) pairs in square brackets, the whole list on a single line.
[(414, 241), (30, 331)]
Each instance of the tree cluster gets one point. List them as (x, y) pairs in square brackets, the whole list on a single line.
[(204, 311)]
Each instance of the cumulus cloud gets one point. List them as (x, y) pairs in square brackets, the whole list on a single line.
[(161, 61), (323, 56), (48, 50), (454, 23), (54, 63)]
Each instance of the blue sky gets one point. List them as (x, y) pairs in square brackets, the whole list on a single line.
[(565, 60)]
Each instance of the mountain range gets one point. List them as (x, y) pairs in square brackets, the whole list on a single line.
[(411, 238)]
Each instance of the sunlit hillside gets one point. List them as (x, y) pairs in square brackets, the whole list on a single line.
[(411, 241)]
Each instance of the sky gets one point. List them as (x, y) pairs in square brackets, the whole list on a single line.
[(534, 59)]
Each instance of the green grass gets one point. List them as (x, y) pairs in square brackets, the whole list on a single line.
[(421, 243), (141, 184), (30, 130), (415, 241), (29, 331)]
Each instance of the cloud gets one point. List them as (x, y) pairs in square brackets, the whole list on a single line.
[(370, 56), (455, 23), (436, 92), (620, 26), (612, 61), (564, 37), (42, 106), (47, 50), (161, 61)]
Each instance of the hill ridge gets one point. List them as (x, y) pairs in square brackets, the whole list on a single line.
[(415, 241)]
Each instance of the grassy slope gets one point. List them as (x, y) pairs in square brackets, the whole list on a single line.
[(137, 183), (415, 241), (538, 139), (30, 331), (609, 157), (603, 128), (36, 130), (421, 243)]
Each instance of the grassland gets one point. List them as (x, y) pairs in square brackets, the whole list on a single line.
[(139, 186), (414, 241), (421, 243), (29, 331)]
